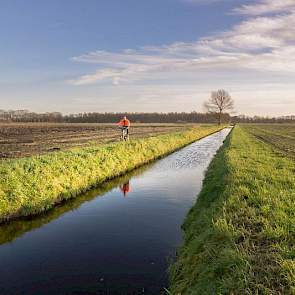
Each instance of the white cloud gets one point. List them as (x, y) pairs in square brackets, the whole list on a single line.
[(259, 45), (266, 7)]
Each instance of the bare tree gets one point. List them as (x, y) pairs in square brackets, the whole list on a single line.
[(219, 102)]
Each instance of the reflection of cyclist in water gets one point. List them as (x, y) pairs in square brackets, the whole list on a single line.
[(125, 188)]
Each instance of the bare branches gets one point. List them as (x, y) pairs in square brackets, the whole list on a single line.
[(219, 102)]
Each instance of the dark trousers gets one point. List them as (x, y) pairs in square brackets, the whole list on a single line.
[(126, 128)]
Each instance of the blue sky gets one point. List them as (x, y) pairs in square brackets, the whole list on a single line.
[(146, 55)]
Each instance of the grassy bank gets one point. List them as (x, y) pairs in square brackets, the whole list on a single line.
[(16, 228), (240, 235), (31, 185)]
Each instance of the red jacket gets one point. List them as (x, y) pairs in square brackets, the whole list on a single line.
[(124, 123)]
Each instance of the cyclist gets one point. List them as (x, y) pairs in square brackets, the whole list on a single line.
[(124, 125)]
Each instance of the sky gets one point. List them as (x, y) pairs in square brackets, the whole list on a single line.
[(147, 55)]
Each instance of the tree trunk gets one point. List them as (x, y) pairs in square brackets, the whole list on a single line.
[(219, 118)]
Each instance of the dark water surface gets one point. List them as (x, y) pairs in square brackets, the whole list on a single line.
[(116, 239)]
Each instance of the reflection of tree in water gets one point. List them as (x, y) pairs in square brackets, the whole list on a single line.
[(16, 228), (125, 188)]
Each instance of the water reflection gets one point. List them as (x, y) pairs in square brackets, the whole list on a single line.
[(16, 228), (104, 242), (125, 188)]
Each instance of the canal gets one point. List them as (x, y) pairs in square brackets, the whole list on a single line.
[(117, 239)]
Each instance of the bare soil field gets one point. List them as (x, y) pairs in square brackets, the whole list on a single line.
[(26, 139), (281, 136)]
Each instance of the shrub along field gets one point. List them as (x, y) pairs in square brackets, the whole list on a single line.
[(31, 185), (240, 235)]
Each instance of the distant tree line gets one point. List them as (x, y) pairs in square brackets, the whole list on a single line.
[(145, 117), (27, 116), (259, 119), (193, 117)]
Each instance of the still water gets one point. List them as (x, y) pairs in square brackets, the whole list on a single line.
[(116, 239)]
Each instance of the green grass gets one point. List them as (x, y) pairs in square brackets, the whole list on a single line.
[(32, 185), (281, 136), (16, 228), (239, 238)]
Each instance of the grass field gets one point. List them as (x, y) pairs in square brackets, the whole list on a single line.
[(26, 139), (35, 184), (281, 136), (240, 235)]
